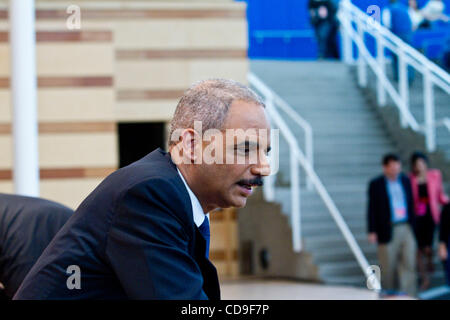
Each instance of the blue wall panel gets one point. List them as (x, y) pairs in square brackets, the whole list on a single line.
[(271, 22)]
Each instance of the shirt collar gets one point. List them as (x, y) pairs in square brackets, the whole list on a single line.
[(197, 211), (392, 181)]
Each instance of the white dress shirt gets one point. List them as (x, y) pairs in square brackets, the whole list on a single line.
[(197, 211)]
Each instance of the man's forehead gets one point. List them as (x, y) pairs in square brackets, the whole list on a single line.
[(246, 115)]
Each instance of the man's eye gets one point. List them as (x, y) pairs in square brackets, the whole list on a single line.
[(243, 150)]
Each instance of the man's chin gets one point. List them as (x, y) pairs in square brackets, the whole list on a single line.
[(239, 202)]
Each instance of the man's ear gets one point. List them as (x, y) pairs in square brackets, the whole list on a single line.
[(191, 145)]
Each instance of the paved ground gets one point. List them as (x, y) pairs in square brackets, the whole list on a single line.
[(254, 289)]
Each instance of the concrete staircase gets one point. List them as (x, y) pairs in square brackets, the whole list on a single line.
[(408, 140), (349, 141), (441, 105)]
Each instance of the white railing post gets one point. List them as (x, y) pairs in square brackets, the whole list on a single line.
[(362, 71), (403, 86), (347, 44), (309, 155), (295, 179), (295, 201), (24, 97), (430, 129), (381, 59)]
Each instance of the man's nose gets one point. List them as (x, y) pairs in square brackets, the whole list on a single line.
[(262, 168)]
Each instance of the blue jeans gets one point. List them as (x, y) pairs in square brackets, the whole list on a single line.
[(323, 30)]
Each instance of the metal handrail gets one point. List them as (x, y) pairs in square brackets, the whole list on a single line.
[(373, 24), (444, 122), (298, 158), (432, 74)]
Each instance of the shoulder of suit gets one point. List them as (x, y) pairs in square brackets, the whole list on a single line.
[(377, 179)]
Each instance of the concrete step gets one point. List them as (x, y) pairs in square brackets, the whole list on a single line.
[(361, 160), (362, 125), (327, 241), (347, 171), (361, 143), (340, 194), (352, 280), (317, 229), (339, 116), (349, 152), (341, 268), (340, 255), (343, 135)]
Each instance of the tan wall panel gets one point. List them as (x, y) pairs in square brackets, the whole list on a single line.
[(70, 192), (150, 110), (229, 69), (221, 267), (6, 152), (68, 150), (6, 186), (76, 104), (234, 235), (218, 235), (152, 74), (176, 74), (180, 33), (67, 59), (75, 59), (5, 106), (67, 104), (4, 60), (226, 270), (78, 150), (234, 266)]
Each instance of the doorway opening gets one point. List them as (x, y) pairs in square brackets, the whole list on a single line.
[(137, 139)]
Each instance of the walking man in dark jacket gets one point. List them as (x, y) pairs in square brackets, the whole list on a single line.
[(391, 223)]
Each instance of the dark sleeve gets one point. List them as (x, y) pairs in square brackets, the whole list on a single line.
[(147, 246), (444, 228), (411, 208), (371, 209)]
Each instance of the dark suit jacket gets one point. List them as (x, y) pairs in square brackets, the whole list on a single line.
[(133, 237), (379, 208), (27, 225)]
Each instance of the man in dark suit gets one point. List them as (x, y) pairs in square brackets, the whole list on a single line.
[(143, 233), (390, 223), (27, 225)]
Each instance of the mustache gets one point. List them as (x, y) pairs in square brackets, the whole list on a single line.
[(258, 181)]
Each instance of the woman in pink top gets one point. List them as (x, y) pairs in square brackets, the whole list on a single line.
[(428, 197)]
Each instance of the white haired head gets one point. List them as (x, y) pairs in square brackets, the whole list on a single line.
[(208, 101)]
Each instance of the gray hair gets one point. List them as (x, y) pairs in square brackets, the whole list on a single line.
[(208, 101)]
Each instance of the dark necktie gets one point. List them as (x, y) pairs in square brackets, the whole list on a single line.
[(204, 230)]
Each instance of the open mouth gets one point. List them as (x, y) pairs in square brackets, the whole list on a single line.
[(245, 185)]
